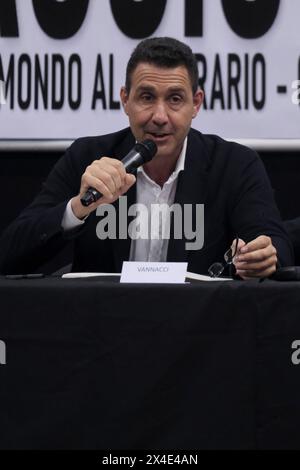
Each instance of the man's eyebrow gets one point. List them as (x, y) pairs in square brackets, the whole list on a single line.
[(149, 88), (146, 88), (176, 89)]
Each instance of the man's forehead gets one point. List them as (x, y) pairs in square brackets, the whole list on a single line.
[(149, 75)]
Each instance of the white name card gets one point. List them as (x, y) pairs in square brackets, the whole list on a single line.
[(142, 272)]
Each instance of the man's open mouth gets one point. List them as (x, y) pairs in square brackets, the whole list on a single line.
[(158, 135)]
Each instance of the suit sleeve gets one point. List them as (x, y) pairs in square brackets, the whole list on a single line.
[(253, 210), (36, 235), (293, 228)]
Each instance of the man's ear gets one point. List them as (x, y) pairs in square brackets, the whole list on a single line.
[(198, 100), (124, 98)]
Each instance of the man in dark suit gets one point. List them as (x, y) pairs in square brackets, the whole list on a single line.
[(161, 97)]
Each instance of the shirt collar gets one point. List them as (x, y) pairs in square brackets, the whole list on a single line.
[(179, 164)]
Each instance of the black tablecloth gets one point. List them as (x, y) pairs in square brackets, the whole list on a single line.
[(92, 364)]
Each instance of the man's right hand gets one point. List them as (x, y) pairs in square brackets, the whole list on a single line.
[(108, 176)]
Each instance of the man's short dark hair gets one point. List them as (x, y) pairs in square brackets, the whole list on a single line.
[(166, 53)]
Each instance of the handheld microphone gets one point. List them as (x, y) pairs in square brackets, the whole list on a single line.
[(141, 153)]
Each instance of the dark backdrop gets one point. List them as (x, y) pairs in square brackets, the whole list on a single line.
[(22, 174)]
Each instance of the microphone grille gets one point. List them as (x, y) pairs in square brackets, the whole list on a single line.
[(147, 149)]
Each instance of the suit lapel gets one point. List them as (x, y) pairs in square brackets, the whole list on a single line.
[(191, 189)]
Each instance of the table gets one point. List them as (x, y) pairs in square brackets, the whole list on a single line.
[(94, 364)]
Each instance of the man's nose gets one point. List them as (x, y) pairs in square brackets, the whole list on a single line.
[(160, 115)]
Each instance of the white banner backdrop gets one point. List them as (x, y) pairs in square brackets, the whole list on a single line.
[(64, 88)]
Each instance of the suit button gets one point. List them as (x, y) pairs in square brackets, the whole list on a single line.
[(43, 237)]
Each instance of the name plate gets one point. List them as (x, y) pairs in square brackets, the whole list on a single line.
[(154, 273)]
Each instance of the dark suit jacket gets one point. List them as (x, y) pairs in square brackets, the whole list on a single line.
[(293, 229), (227, 178)]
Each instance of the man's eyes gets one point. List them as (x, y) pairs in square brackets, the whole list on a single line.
[(176, 99), (173, 99), (147, 97)]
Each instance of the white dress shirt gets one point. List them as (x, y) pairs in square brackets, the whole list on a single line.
[(153, 247)]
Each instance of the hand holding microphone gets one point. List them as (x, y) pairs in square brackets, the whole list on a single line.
[(109, 178)]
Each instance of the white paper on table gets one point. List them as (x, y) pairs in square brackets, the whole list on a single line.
[(202, 277), (79, 275), (189, 275)]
